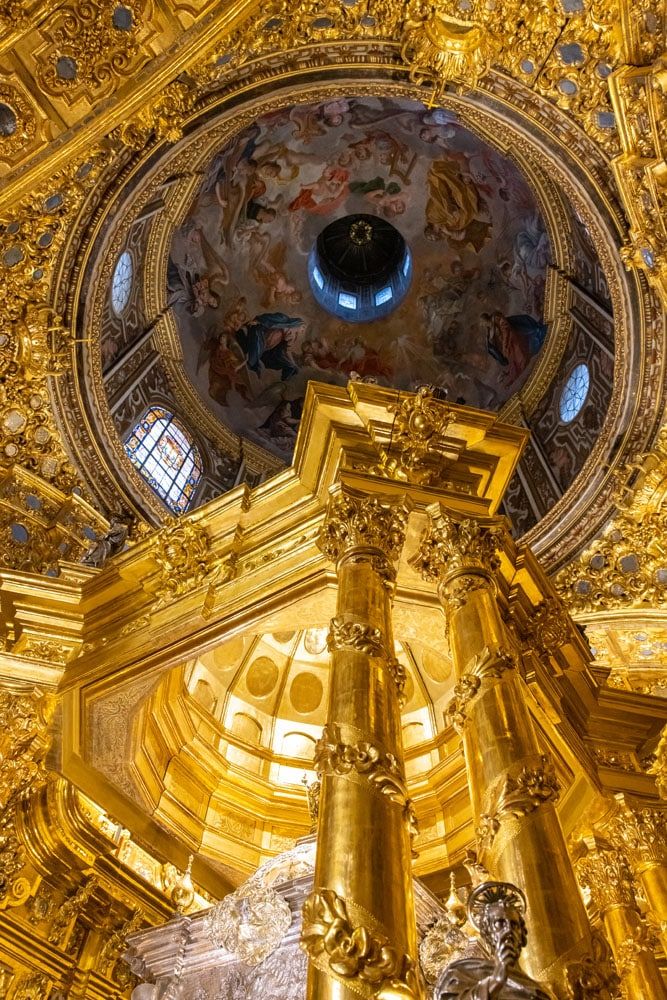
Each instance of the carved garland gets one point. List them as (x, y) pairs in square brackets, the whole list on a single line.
[(349, 949), (521, 795), (382, 770)]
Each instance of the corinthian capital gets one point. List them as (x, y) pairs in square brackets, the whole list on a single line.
[(359, 521), (449, 546), (606, 873), (641, 831)]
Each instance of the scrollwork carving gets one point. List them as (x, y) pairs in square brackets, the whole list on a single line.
[(357, 636), (593, 977), (465, 690), (333, 756), (181, 551), (531, 788)]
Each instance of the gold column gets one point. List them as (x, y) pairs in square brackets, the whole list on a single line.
[(642, 831), (606, 873), (512, 783), (359, 924)]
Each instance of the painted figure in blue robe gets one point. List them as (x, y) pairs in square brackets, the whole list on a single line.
[(267, 342)]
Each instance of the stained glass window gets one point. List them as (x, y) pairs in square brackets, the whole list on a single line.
[(166, 457), (574, 393), (121, 282)]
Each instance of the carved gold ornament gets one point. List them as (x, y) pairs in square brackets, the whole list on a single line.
[(181, 551), (354, 950), (659, 767), (354, 521), (357, 636), (450, 547), (444, 48), (419, 451)]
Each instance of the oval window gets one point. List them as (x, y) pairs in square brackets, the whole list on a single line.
[(121, 283), (574, 393)]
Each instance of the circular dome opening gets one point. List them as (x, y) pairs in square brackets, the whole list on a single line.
[(360, 268)]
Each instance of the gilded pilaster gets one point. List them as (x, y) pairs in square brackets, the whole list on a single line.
[(358, 924), (512, 783), (641, 831), (606, 873)]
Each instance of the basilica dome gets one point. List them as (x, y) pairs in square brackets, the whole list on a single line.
[(230, 271)]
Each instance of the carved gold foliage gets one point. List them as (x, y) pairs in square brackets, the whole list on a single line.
[(181, 551), (644, 941), (593, 977), (163, 117), (607, 875), (449, 546), (419, 451), (24, 742), (354, 520), (529, 789), (659, 766), (285, 24), (351, 950), (34, 344), (333, 756), (641, 831), (357, 636), (521, 794), (100, 52), (550, 627), (465, 690), (625, 567), (26, 126), (69, 911)]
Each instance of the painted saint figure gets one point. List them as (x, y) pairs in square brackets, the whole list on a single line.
[(267, 342)]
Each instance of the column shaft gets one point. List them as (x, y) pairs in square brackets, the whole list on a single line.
[(363, 874), (512, 784)]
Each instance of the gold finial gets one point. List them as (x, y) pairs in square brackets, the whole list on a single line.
[(183, 892), (453, 905)]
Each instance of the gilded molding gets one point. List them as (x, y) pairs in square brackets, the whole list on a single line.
[(357, 521), (344, 940)]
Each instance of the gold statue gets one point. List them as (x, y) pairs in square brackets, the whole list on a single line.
[(495, 909)]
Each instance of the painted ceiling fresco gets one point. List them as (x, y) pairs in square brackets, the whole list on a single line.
[(252, 332)]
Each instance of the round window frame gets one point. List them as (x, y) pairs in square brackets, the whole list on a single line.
[(568, 380), (116, 310)]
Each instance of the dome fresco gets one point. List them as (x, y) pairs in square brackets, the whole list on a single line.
[(252, 332)]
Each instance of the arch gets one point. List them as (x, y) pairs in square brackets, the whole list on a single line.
[(166, 456)]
